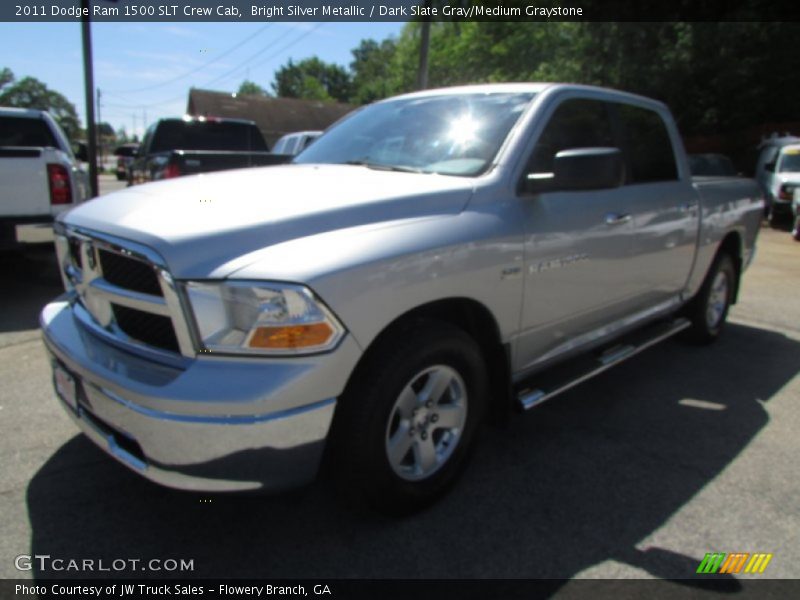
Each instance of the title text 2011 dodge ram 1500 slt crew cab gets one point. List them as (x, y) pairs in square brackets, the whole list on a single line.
[(423, 264)]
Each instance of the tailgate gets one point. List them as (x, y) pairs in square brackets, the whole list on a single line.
[(24, 188)]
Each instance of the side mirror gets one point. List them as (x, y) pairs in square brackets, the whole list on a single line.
[(580, 169), (81, 154)]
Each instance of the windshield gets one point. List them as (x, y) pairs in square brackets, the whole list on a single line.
[(454, 134), (790, 163)]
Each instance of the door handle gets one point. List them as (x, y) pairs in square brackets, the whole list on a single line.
[(617, 218)]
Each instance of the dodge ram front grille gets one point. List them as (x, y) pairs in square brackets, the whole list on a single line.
[(147, 328), (126, 293), (129, 273)]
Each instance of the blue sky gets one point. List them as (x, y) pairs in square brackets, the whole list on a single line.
[(130, 57)]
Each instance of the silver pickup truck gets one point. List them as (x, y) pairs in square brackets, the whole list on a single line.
[(431, 261)]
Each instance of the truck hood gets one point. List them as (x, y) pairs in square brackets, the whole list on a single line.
[(201, 224)]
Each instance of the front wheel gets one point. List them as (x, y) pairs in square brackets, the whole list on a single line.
[(403, 431), (709, 309)]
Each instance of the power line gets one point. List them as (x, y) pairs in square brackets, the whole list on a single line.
[(232, 71), (196, 69), (250, 58)]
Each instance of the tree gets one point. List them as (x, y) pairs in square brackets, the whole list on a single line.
[(313, 79), (32, 93), (372, 69), (106, 130), (715, 77), (6, 77), (250, 88)]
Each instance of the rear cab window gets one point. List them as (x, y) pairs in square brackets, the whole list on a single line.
[(207, 135), (25, 132)]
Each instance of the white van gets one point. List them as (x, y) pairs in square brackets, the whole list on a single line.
[(778, 173)]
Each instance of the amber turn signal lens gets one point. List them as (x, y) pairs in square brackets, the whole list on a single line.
[(291, 336)]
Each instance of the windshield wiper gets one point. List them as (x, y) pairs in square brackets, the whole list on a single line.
[(383, 167)]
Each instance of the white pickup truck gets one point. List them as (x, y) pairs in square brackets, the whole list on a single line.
[(431, 259), (39, 177)]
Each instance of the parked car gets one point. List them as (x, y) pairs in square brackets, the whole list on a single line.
[(39, 177), (191, 145), (778, 173), (711, 165), (427, 262), (125, 155), (295, 143)]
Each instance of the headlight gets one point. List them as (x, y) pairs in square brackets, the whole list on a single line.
[(261, 318)]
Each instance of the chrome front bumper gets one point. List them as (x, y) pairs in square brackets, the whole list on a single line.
[(215, 423)]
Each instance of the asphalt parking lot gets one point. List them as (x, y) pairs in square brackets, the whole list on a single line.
[(637, 474)]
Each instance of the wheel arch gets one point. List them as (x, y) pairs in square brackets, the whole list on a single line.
[(478, 322)]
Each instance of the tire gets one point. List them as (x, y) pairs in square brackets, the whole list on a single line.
[(709, 309), (121, 177), (796, 228), (778, 219), (402, 432), (772, 217)]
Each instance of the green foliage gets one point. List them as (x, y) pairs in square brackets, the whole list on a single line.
[(372, 70), (250, 88), (32, 93), (715, 77), (105, 130), (313, 79), (6, 77)]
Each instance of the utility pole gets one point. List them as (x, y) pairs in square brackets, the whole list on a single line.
[(133, 133), (425, 41), (100, 129), (88, 82)]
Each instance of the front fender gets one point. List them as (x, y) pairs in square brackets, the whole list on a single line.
[(371, 275)]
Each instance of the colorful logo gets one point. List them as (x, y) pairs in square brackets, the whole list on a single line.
[(735, 562)]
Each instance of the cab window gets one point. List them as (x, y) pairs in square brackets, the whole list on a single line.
[(647, 144), (576, 123)]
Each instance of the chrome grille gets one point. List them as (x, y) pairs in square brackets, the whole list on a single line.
[(127, 290), (129, 273), (145, 327)]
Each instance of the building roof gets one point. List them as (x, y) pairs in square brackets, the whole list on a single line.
[(274, 116)]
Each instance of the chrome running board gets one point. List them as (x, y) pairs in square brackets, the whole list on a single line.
[(559, 379)]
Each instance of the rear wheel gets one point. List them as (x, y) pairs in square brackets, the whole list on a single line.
[(402, 432), (709, 309), (773, 218)]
